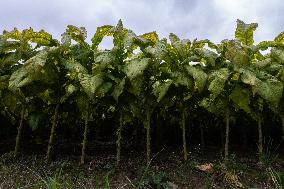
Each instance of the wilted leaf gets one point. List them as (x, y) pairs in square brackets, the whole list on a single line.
[(207, 167)]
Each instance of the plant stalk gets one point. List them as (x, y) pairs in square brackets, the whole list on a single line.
[(20, 130), (52, 133), (84, 143), (282, 120), (260, 138), (183, 135), (118, 142), (227, 133), (148, 129)]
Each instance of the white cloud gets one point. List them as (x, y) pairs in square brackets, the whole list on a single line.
[(268, 14)]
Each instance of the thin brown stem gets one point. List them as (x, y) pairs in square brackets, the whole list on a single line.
[(20, 130), (148, 130), (52, 133), (227, 133), (282, 120), (84, 143), (118, 142), (184, 136), (260, 138)]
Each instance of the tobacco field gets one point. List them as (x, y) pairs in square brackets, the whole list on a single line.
[(193, 104)]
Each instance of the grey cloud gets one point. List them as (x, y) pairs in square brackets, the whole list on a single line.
[(212, 19)]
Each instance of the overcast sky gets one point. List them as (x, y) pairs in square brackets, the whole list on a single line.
[(212, 19)]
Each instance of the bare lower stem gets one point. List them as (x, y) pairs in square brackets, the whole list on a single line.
[(184, 136), (118, 142), (52, 133), (227, 133), (260, 138), (148, 145), (84, 143), (282, 120), (20, 130)]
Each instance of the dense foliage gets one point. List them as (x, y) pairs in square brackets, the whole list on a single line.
[(139, 82)]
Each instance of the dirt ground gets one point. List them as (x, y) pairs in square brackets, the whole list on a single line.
[(167, 170)]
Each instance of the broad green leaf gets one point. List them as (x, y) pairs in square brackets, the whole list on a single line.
[(244, 32), (9, 100), (69, 90), (280, 74), (160, 89), (31, 71), (100, 33), (135, 110), (9, 59), (279, 38), (270, 90), (66, 40), (129, 40), (241, 97), (77, 34), (104, 88), (152, 36), (263, 63), (75, 67), (7, 46), (208, 55), (264, 45), (136, 85), (136, 67), (199, 76), (34, 120), (119, 30), (119, 33), (82, 102), (4, 81), (118, 89), (249, 77), (278, 55), (173, 38), (182, 47), (237, 53), (90, 83), (268, 87), (48, 96), (198, 43), (181, 78), (103, 60), (158, 51), (216, 106), (41, 38), (218, 79), (14, 34)]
